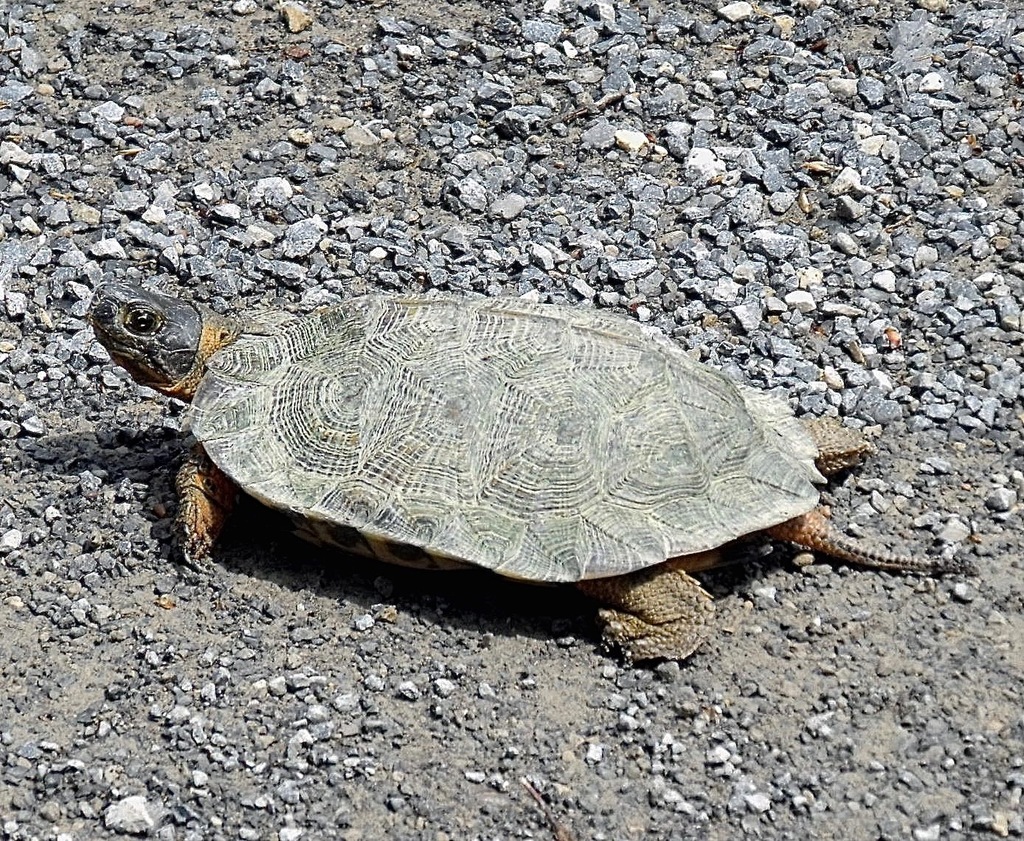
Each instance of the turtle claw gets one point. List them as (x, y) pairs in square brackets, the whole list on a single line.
[(194, 553), (207, 496)]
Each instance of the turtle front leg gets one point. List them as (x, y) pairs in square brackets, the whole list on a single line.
[(206, 497), (659, 612)]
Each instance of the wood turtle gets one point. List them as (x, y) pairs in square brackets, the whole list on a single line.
[(546, 443)]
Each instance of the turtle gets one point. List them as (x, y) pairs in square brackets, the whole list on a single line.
[(545, 442)]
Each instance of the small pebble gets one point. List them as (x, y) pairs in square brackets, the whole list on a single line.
[(296, 16), (1001, 499), (508, 207), (107, 248), (130, 816), (11, 539), (631, 141), (736, 12), (963, 592)]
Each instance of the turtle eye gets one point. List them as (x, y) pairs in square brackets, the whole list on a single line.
[(142, 321)]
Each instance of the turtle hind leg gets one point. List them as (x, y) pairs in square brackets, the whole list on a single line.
[(814, 531), (654, 613), (839, 447), (206, 497)]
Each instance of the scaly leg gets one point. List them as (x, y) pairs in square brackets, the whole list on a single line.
[(814, 531), (206, 497), (839, 447), (660, 612)]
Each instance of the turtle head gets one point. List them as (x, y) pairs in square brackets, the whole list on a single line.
[(162, 342)]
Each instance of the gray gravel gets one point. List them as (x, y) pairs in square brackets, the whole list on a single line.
[(823, 200)]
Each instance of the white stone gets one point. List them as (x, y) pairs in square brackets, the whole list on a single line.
[(884, 280), (12, 153), (296, 16), (260, 236), (932, 83), (107, 248), (11, 539), (847, 181), (872, 145), (925, 255), (718, 755), (508, 206), (955, 531), (131, 815), (735, 12), (883, 381), (630, 140), (154, 214), (724, 291), (301, 136), (225, 62), (758, 802), (845, 88), (226, 212), (409, 52), (274, 191), (109, 111), (358, 136), (203, 191), (28, 225), (832, 378), (786, 24), (809, 276), (703, 165), (801, 300)]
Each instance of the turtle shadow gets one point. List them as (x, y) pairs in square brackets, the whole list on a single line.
[(260, 543), (112, 455)]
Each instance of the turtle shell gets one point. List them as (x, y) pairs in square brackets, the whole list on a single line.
[(543, 442)]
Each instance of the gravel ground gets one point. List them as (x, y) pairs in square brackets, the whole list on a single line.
[(824, 200)]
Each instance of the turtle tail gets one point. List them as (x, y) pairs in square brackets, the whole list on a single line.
[(814, 531)]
